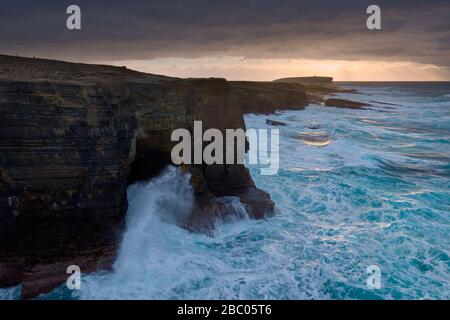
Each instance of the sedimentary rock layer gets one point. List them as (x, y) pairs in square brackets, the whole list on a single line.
[(74, 136), (343, 103)]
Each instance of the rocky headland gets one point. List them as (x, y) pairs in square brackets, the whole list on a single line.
[(74, 136)]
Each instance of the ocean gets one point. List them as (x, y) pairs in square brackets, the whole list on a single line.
[(355, 189)]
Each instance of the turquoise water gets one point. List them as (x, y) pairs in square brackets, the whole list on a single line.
[(355, 188)]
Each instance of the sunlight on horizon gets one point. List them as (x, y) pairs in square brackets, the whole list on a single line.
[(242, 68)]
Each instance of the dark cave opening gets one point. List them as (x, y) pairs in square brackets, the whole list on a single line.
[(148, 162)]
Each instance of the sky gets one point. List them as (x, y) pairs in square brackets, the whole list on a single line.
[(239, 40)]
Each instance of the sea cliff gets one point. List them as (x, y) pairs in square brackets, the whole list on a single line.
[(74, 136)]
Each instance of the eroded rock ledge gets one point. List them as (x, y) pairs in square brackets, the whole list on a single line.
[(346, 104), (74, 136)]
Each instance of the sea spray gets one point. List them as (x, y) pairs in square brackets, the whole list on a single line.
[(168, 197), (232, 210), (165, 199), (158, 258)]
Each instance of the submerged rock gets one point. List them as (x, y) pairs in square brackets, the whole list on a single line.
[(275, 123), (314, 126)]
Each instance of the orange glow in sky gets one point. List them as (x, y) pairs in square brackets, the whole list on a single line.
[(241, 68)]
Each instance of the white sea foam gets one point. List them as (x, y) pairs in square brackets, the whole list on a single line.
[(158, 259)]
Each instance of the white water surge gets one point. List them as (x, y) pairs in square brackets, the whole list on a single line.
[(158, 259)]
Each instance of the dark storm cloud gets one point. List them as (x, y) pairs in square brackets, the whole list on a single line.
[(113, 30)]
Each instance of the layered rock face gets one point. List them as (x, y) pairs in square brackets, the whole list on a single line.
[(343, 103), (267, 97), (74, 136)]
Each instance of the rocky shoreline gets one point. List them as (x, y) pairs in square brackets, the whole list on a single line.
[(74, 136)]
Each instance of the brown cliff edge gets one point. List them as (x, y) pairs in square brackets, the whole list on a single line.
[(74, 136)]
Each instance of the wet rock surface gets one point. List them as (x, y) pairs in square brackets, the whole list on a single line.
[(348, 104), (275, 123)]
